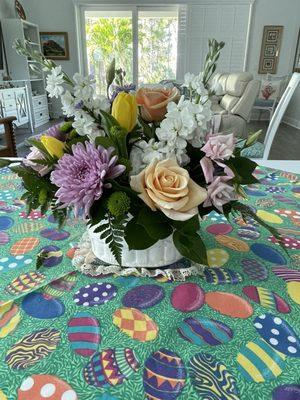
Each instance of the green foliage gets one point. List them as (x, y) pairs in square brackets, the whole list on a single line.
[(112, 231), (66, 127), (5, 163), (187, 240), (112, 37), (210, 65), (191, 246), (39, 191), (111, 73), (137, 237), (155, 223), (104, 141), (243, 169)]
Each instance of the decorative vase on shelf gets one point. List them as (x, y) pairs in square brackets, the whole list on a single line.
[(161, 254)]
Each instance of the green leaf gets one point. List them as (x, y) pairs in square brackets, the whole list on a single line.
[(154, 223), (39, 145), (243, 169), (137, 237), (189, 227), (190, 246), (97, 212), (108, 121), (111, 73), (5, 163), (148, 131), (104, 141)]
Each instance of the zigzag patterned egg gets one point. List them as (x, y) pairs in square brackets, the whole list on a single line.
[(135, 324), (220, 276), (110, 367), (32, 348), (9, 318), (201, 331), (164, 375), (28, 226), (266, 298), (259, 362), (25, 283), (84, 334), (211, 379), (278, 334)]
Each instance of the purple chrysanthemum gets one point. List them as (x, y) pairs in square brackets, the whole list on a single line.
[(81, 176), (55, 132)]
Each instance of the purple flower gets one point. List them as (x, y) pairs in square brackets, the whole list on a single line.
[(219, 193), (35, 154), (81, 176), (56, 133), (219, 147), (118, 89)]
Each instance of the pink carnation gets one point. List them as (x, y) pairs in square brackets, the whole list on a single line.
[(219, 147)]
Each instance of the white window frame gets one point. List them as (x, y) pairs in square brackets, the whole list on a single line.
[(81, 8)]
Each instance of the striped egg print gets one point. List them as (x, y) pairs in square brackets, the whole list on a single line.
[(203, 331), (84, 334), (259, 362)]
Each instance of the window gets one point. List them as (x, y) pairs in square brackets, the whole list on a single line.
[(142, 40)]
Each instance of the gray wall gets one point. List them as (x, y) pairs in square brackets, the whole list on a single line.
[(277, 12)]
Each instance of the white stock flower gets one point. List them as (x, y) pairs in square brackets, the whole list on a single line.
[(68, 103), (55, 81), (84, 123), (83, 88), (97, 104), (188, 79), (143, 153)]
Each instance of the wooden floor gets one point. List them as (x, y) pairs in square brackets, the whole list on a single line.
[(286, 145)]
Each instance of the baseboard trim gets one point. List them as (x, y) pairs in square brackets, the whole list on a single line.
[(295, 123)]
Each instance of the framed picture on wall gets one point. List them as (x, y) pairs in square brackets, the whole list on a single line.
[(55, 45), (270, 49), (297, 56)]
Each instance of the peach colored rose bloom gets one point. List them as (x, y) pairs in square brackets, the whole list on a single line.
[(154, 101), (164, 185)]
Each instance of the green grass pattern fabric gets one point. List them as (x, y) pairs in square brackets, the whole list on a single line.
[(113, 338)]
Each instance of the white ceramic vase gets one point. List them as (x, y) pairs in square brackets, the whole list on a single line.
[(162, 253)]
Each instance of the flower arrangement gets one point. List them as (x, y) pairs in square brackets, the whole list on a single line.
[(138, 165)]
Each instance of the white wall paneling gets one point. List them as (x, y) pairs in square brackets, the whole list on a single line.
[(226, 22)]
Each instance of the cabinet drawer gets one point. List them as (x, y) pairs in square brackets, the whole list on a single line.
[(10, 105), (40, 101), (41, 113), (8, 95)]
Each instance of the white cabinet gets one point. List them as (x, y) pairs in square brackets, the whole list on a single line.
[(13, 103), (20, 69)]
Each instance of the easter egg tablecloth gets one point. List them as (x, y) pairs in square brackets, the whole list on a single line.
[(232, 333)]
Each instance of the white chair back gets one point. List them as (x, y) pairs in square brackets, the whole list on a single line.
[(279, 113)]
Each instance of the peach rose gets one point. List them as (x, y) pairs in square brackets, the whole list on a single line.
[(154, 101), (164, 185)]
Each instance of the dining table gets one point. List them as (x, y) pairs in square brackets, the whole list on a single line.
[(232, 332)]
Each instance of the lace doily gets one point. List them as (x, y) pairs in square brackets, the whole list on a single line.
[(87, 263)]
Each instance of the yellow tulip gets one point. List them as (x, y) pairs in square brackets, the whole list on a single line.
[(124, 110), (54, 146)]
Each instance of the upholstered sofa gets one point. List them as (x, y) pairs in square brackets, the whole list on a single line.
[(236, 94)]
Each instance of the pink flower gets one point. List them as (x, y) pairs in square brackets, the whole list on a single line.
[(208, 169), (219, 147), (35, 154), (219, 193)]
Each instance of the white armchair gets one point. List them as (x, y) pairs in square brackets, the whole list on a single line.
[(236, 95)]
